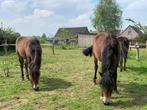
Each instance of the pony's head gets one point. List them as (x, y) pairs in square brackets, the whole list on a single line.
[(107, 86), (35, 75)]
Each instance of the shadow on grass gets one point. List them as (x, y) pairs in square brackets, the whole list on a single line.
[(140, 70), (49, 84), (134, 94)]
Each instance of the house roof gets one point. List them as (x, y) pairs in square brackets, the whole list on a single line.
[(71, 31), (134, 28)]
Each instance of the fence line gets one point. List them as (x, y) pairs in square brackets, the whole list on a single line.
[(5, 45), (136, 46)]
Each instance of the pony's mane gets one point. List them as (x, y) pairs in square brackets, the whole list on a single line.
[(35, 48), (110, 51)]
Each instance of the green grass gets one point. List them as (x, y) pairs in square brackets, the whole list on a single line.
[(66, 84)]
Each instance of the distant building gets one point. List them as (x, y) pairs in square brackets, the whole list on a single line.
[(131, 32), (70, 32), (86, 40), (76, 35)]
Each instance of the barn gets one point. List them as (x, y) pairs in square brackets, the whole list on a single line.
[(85, 40), (74, 35)]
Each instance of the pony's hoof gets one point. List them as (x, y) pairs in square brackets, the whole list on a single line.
[(28, 78), (107, 103), (36, 89), (94, 81)]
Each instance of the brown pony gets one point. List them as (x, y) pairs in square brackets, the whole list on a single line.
[(105, 49), (29, 51), (124, 47)]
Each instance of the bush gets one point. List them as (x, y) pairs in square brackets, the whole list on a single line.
[(142, 38), (10, 35)]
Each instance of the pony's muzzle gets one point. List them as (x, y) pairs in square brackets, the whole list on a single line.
[(105, 100), (36, 88)]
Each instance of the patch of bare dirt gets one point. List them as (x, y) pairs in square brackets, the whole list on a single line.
[(10, 105)]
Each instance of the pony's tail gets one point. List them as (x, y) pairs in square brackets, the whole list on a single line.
[(106, 81), (88, 51)]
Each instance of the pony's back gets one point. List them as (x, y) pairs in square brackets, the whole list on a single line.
[(25, 46), (124, 45)]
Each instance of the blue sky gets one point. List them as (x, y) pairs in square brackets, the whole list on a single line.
[(34, 17)]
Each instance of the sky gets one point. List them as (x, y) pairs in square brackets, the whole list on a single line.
[(35, 17)]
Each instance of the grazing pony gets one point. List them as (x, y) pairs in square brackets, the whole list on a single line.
[(29, 52), (105, 49), (124, 47)]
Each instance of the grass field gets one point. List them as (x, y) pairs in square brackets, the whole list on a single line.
[(66, 84)]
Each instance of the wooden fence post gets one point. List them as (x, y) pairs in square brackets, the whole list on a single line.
[(146, 44), (5, 47), (53, 47), (6, 69), (137, 51), (130, 45)]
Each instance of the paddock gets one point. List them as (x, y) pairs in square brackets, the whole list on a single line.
[(66, 83)]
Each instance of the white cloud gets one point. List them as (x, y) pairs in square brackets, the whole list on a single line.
[(39, 16), (81, 20), (12, 6), (136, 11), (42, 13), (125, 1)]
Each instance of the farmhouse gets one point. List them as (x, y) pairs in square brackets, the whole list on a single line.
[(131, 32)]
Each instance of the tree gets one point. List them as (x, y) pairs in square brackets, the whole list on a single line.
[(8, 34), (64, 33), (107, 17), (143, 37), (1, 36), (138, 25), (44, 36)]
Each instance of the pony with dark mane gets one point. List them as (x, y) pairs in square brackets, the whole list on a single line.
[(29, 52), (105, 49), (124, 47)]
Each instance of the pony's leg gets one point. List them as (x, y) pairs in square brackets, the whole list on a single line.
[(115, 82), (21, 66), (95, 67), (125, 60), (26, 67), (101, 97), (121, 64)]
